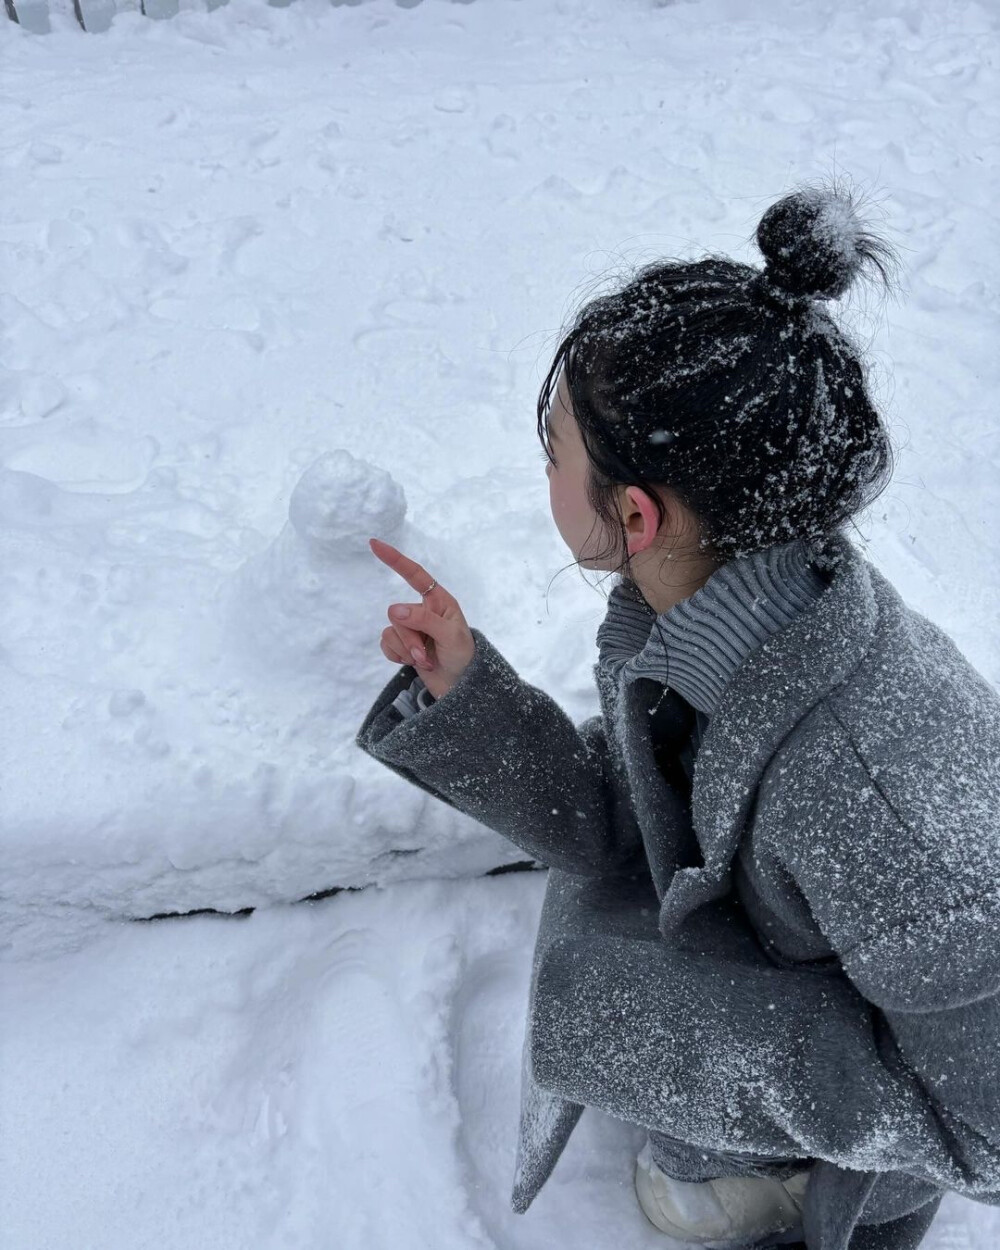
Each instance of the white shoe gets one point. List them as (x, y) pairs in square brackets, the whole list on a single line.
[(723, 1214)]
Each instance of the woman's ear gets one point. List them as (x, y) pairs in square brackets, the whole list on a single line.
[(640, 518)]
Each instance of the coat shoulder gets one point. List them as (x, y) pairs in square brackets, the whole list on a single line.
[(883, 803), (914, 680), (924, 726)]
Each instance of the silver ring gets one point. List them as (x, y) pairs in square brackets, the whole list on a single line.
[(429, 588)]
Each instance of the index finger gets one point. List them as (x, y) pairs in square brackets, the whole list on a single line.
[(413, 574)]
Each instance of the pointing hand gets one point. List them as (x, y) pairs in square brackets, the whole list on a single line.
[(431, 635)]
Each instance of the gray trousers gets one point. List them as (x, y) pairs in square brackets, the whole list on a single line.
[(690, 1163)]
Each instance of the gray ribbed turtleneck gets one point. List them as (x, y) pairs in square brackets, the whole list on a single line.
[(698, 644)]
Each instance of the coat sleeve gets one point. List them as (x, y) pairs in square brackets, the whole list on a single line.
[(504, 752), (743, 1059), (935, 980), (913, 915), (890, 1064)]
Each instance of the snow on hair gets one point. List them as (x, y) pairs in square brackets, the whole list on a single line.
[(734, 387)]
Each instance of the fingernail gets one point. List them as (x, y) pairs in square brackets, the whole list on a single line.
[(418, 655), (401, 613)]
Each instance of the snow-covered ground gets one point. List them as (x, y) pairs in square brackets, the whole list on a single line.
[(273, 280)]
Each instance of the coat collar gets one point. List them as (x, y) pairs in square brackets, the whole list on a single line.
[(770, 693)]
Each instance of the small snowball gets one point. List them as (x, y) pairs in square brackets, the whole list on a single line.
[(341, 501)]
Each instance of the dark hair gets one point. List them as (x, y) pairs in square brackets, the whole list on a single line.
[(732, 387)]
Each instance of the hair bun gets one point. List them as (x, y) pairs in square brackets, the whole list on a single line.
[(815, 245)]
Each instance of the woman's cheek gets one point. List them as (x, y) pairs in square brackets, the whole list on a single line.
[(557, 505)]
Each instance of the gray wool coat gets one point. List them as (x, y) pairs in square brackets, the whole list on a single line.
[(800, 959)]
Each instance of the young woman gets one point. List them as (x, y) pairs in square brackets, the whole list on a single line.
[(771, 933)]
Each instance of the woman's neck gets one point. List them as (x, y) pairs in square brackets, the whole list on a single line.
[(666, 579)]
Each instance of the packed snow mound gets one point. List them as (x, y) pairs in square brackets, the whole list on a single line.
[(205, 718), (288, 605)]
